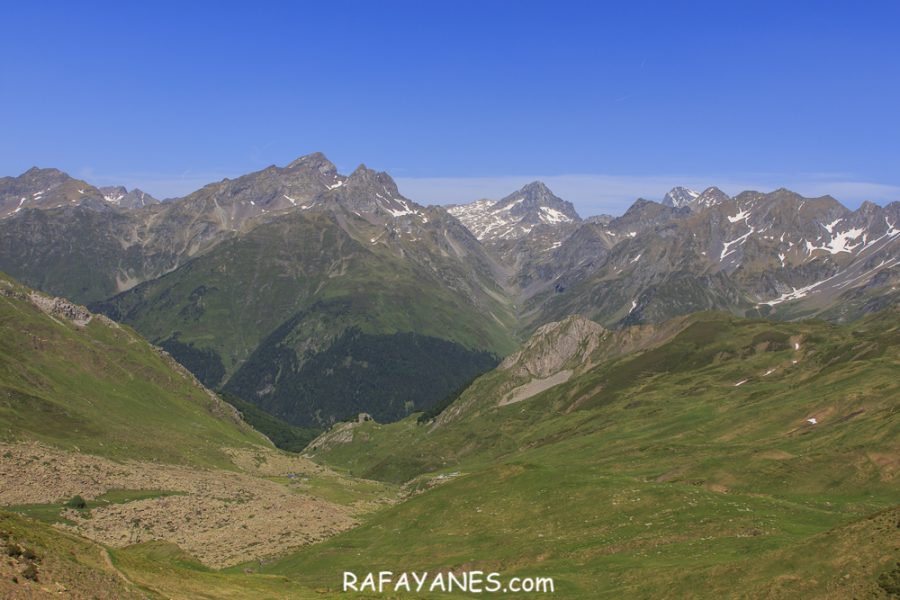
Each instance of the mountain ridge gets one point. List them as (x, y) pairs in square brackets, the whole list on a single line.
[(258, 250)]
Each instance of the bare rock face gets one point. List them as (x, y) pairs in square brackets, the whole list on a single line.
[(121, 197), (679, 197), (555, 346)]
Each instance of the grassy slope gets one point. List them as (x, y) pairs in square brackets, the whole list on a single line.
[(230, 299), (104, 390), (73, 567), (63, 559), (649, 476), (656, 476)]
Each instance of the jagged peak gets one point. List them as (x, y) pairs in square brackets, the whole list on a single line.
[(711, 196), (681, 188), (642, 205), (316, 160), (363, 175), (363, 171), (749, 195), (643, 202), (534, 197), (370, 192), (868, 207), (47, 171), (536, 191), (536, 186), (680, 196)]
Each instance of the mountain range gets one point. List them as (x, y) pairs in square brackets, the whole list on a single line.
[(291, 286), (502, 389)]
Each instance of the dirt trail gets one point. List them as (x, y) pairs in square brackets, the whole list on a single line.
[(107, 560)]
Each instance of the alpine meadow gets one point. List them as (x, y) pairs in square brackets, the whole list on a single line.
[(616, 316)]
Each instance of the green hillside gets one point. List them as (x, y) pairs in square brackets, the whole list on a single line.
[(41, 561), (258, 307), (689, 468), (100, 388), (705, 457), (388, 376), (283, 435)]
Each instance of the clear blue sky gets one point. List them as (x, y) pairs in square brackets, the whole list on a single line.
[(453, 98)]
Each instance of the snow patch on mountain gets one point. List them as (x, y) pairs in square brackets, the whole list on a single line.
[(741, 216), (553, 216), (727, 246)]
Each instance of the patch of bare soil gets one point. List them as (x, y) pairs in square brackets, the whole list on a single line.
[(268, 463), (534, 387), (222, 518)]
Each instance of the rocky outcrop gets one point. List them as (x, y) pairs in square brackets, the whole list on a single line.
[(60, 307), (555, 346), (340, 433)]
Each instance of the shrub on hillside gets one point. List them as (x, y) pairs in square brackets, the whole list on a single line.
[(76, 502)]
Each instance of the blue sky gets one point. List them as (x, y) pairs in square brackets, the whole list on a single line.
[(460, 100)]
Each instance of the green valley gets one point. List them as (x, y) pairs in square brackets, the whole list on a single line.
[(709, 463), (706, 456)]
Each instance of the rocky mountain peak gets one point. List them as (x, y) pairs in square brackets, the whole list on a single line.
[(370, 192), (45, 189), (679, 197), (366, 177), (536, 187), (314, 162), (35, 170), (868, 208), (46, 177), (537, 202), (118, 195), (644, 214), (711, 196), (515, 215), (641, 204)]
